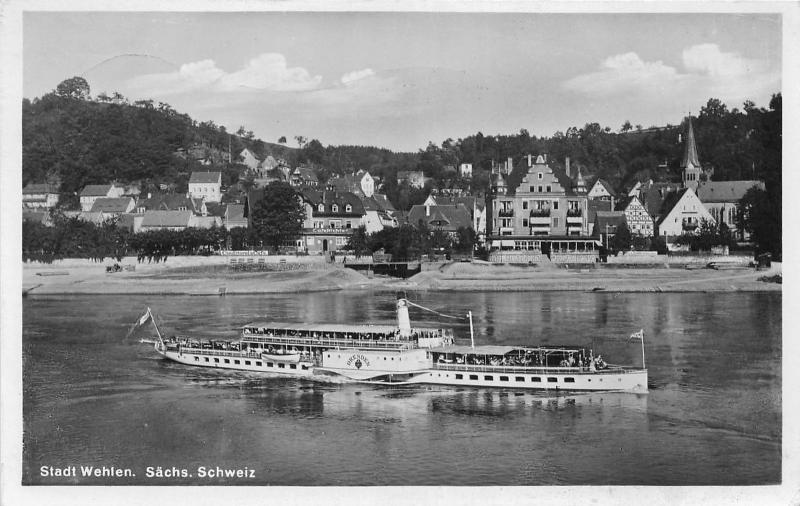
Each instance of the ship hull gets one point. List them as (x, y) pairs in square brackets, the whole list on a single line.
[(238, 362)]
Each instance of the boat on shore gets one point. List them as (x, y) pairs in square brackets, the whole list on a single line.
[(400, 355)]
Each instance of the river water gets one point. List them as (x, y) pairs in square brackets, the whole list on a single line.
[(712, 416)]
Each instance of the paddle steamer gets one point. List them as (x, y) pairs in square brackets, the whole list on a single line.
[(401, 354)]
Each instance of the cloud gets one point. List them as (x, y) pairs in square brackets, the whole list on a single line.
[(357, 75), (708, 71), (622, 74), (265, 72)]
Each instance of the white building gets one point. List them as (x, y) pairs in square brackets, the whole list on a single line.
[(206, 186), (92, 192), (684, 213), (465, 170), (39, 196)]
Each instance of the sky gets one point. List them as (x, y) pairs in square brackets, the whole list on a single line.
[(400, 80)]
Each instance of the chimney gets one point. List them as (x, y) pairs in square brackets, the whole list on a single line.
[(612, 203), (530, 162), (566, 167), (149, 195), (509, 165), (427, 210)]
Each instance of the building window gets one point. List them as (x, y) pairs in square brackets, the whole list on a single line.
[(321, 208), (555, 222), (524, 222), (524, 204), (540, 189), (532, 189), (335, 208), (555, 204), (549, 189), (349, 208), (540, 175)]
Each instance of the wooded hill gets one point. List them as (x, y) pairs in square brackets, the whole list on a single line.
[(79, 140)]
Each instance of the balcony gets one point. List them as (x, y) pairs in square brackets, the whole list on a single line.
[(689, 225), (540, 213), (574, 213), (505, 213)]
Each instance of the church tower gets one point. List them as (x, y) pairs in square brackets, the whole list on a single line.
[(690, 165)]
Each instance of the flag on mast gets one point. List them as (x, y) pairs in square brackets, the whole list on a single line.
[(637, 336), (141, 321)]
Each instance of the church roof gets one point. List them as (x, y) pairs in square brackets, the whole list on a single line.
[(690, 151), (725, 191)]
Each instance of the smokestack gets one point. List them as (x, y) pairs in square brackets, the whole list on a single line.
[(566, 164), (529, 160), (509, 165)]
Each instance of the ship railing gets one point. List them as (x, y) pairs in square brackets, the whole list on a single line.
[(327, 343), (218, 353), (531, 369)]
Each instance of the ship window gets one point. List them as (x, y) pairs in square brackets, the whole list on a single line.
[(503, 378), (206, 359), (520, 378), (292, 366), (304, 367), (536, 379), (270, 364), (227, 361), (247, 362), (552, 380), (488, 378), (329, 355), (258, 364), (473, 376), (384, 358), (197, 359), (216, 360), (569, 380), (281, 366), (237, 362), (392, 358), (459, 376)]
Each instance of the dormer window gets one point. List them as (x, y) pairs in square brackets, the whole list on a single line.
[(321, 208), (335, 208), (540, 175), (349, 208)]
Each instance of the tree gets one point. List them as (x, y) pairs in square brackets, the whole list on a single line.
[(622, 239), (359, 242), (278, 217), (282, 139), (626, 127), (74, 87), (761, 215)]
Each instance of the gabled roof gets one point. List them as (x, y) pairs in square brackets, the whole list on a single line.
[(652, 196), (170, 202), (305, 173), (39, 188), (215, 209), (112, 205), (95, 190), (448, 218), (725, 191), (383, 201), (606, 186), (205, 177), (669, 203), (468, 201), (166, 218)]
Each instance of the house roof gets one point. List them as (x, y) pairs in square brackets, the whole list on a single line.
[(467, 200), (669, 202), (205, 177), (725, 191), (384, 201), (608, 218), (37, 216), (215, 209), (305, 173), (171, 202), (95, 190), (653, 196), (329, 198), (38, 188), (166, 218), (234, 212), (606, 185), (448, 218), (597, 205), (112, 205)]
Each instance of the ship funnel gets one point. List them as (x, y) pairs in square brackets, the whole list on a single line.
[(403, 320)]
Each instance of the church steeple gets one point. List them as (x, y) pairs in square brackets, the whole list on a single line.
[(690, 165), (580, 182)]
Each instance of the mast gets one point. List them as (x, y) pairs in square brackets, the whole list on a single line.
[(471, 333), (643, 364)]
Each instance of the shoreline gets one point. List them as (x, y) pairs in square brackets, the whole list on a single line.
[(91, 279)]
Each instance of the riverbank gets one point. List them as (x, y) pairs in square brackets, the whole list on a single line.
[(186, 276)]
